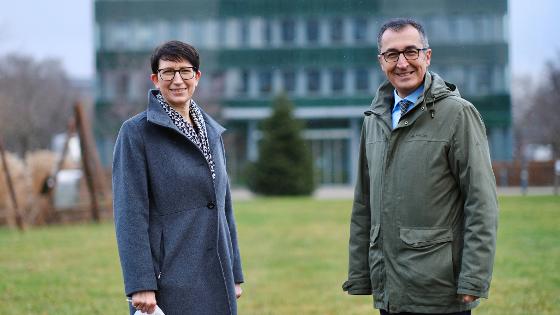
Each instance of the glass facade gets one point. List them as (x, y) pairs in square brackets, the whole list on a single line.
[(255, 32), (322, 53)]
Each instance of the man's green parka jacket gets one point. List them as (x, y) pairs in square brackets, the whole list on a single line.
[(424, 218)]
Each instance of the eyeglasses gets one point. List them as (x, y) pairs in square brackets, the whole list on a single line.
[(409, 54), (184, 73)]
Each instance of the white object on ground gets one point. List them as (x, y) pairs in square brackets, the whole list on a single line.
[(158, 311)]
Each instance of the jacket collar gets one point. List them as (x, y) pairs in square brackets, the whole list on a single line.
[(384, 98), (156, 115), (434, 88)]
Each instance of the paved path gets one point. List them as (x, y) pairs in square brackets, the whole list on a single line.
[(535, 191), (347, 192)]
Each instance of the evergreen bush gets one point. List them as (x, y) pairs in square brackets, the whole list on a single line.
[(284, 165)]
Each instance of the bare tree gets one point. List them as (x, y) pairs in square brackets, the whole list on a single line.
[(540, 122), (35, 102)]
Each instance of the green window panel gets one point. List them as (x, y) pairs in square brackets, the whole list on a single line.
[(294, 57)]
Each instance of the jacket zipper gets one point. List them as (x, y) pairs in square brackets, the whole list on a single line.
[(379, 235)]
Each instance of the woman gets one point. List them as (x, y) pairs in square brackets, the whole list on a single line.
[(174, 220)]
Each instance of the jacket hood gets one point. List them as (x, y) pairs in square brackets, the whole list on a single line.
[(435, 88)]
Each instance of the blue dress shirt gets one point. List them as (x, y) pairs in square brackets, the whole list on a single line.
[(413, 97)]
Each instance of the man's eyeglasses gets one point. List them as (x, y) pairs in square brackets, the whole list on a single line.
[(184, 73), (409, 54)]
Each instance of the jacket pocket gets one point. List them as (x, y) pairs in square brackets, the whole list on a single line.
[(426, 260), (425, 237), (375, 261)]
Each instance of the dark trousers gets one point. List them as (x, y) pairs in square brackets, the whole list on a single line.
[(384, 312)]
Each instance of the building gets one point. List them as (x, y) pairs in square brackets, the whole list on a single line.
[(322, 53)]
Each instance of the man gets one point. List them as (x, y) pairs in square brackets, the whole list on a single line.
[(424, 218)]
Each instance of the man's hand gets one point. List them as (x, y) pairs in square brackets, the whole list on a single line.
[(144, 301), (465, 298), (238, 290)]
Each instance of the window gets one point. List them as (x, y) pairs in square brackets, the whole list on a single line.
[(217, 83), (312, 31), (469, 80), (483, 78), (265, 81), (337, 80), (455, 75), (362, 79), (313, 80), (488, 28), (118, 34), (267, 32), (288, 31), (143, 34), (454, 28), (466, 29), (222, 27), (289, 80), (440, 29), (336, 30), (244, 82), (244, 32), (122, 84), (360, 29)]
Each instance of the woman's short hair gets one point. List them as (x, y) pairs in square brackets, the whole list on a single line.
[(175, 51)]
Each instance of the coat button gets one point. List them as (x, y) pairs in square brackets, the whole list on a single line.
[(211, 205)]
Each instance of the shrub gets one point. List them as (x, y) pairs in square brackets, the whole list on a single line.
[(284, 165)]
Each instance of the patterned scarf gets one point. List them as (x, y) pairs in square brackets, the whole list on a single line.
[(197, 136)]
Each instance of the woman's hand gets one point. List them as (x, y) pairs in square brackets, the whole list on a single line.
[(145, 301), (238, 290)]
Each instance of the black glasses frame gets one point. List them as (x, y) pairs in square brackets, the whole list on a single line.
[(194, 71), (403, 52)]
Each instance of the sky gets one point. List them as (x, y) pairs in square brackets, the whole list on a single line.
[(42, 29), (63, 29)]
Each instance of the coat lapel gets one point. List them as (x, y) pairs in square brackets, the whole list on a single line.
[(156, 115), (213, 129)]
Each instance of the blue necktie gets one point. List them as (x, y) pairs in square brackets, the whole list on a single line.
[(403, 105)]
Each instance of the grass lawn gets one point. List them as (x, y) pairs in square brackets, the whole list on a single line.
[(295, 258)]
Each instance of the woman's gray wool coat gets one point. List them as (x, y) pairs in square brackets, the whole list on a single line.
[(175, 227)]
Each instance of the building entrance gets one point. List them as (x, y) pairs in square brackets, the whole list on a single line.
[(330, 157)]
